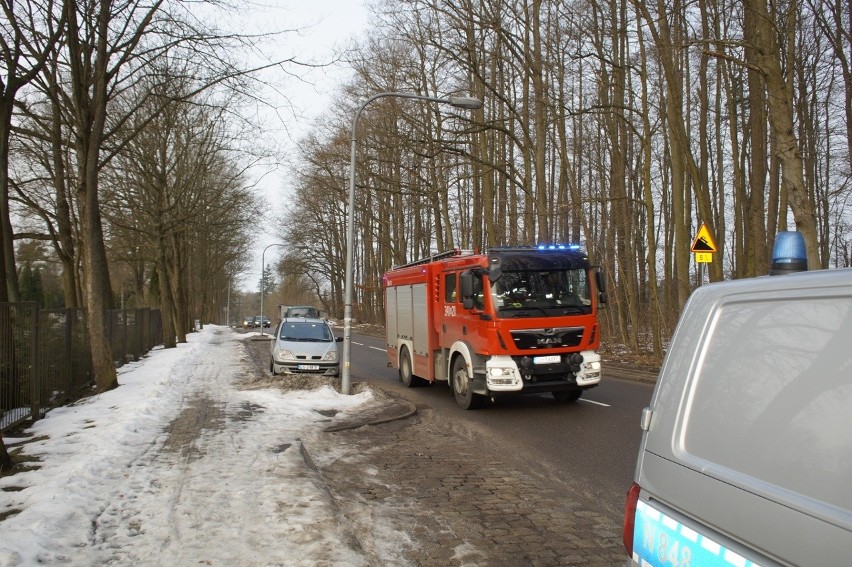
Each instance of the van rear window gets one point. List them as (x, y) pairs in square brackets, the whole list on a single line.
[(775, 380)]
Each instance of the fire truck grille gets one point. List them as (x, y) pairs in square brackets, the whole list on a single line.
[(530, 339)]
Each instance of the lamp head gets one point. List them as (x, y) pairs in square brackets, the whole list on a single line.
[(465, 102)]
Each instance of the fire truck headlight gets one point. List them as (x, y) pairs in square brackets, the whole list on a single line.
[(498, 376), (591, 370)]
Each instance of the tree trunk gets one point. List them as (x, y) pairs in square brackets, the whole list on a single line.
[(167, 307), (89, 92), (656, 325), (64, 245), (757, 245), (98, 289), (177, 274), (8, 270), (6, 462), (768, 59)]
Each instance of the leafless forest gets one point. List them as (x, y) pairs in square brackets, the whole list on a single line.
[(621, 125)]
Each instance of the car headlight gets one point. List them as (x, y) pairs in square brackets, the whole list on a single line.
[(330, 356), (284, 355)]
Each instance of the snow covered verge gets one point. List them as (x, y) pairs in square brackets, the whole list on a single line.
[(182, 464)]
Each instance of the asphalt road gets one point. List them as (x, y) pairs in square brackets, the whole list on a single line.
[(594, 441)]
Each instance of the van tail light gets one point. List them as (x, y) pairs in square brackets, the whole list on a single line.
[(630, 518)]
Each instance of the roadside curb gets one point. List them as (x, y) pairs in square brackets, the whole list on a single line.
[(393, 410)]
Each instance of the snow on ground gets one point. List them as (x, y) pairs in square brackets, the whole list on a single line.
[(115, 486)]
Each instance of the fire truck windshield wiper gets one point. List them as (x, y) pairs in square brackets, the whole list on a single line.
[(520, 311), (556, 310)]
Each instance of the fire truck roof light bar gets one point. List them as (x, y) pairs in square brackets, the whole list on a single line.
[(558, 247)]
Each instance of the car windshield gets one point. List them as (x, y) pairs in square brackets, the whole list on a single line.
[(541, 293), (310, 332)]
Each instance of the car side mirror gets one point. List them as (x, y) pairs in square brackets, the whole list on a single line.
[(339, 339)]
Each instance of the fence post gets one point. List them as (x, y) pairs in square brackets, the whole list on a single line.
[(70, 316), (35, 388)]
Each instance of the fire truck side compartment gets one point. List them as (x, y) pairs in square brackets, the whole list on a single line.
[(408, 325)]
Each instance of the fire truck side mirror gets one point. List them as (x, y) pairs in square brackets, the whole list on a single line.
[(599, 281), (467, 289), (495, 269)]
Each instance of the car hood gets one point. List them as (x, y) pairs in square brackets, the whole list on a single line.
[(304, 348)]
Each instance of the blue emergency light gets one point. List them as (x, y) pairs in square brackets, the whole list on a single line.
[(788, 254), (558, 247)]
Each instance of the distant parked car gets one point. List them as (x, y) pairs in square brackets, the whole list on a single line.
[(304, 346)]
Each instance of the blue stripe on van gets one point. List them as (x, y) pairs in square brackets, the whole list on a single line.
[(661, 541)]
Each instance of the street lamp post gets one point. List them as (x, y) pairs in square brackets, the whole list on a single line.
[(458, 102), (263, 281)]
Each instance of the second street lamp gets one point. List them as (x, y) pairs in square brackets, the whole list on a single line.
[(263, 282), (456, 101)]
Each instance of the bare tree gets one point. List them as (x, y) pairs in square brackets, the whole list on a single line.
[(29, 33), (768, 61), (27, 36), (621, 127), (176, 189)]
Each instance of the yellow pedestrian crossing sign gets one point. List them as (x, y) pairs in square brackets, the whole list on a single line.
[(703, 242)]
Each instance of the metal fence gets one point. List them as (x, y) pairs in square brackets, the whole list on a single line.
[(45, 358)]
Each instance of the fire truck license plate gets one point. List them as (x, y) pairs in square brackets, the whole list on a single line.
[(552, 359), (308, 367)]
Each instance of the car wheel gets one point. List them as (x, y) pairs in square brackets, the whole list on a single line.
[(462, 387), (272, 367), (567, 395)]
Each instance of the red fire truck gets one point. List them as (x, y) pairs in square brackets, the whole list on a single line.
[(512, 320)]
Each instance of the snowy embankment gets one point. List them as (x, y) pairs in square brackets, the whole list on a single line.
[(177, 466)]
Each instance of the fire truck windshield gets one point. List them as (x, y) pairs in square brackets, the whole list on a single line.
[(541, 293)]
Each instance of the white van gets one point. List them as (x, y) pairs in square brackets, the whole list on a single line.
[(746, 455)]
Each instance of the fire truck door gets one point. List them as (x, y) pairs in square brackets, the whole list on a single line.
[(445, 316)]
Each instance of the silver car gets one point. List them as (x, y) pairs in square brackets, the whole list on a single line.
[(305, 346)]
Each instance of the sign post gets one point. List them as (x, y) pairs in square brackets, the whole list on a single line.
[(703, 246)]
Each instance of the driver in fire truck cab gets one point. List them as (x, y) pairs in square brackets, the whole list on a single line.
[(541, 290)]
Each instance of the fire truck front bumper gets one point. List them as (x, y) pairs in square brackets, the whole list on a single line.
[(542, 373)]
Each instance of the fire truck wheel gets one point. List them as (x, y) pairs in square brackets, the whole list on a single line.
[(567, 396), (462, 389), (406, 374)]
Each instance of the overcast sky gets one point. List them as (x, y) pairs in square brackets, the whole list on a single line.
[(324, 27)]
